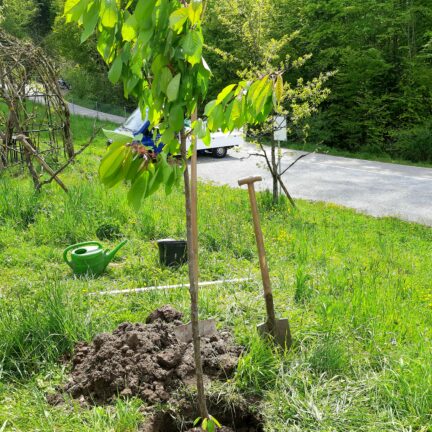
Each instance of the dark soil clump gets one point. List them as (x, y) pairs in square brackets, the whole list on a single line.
[(146, 361)]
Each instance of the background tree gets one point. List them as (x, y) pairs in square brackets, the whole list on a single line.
[(16, 16), (381, 50), (249, 28)]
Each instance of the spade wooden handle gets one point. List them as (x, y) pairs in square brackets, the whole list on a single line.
[(249, 180), (268, 294)]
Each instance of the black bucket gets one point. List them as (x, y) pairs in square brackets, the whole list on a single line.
[(172, 253)]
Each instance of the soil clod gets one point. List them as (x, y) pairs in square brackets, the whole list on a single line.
[(146, 361)]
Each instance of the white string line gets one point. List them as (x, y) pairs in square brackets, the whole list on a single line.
[(167, 287)]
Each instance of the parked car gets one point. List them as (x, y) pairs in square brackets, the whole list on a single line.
[(138, 124)]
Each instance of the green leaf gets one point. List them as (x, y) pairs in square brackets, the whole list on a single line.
[(224, 93), (235, 112), (138, 190), (207, 138), (74, 10), (169, 184), (199, 128), (263, 96), (164, 166), (215, 421), (143, 12), (111, 162), (130, 29), (104, 45), (135, 169), (173, 88), (70, 4), (131, 84), (159, 62), (115, 71), (216, 119), (195, 9), (209, 108), (109, 14), (144, 37), (90, 20), (156, 181), (178, 18), (165, 79), (279, 88), (176, 118), (256, 89), (192, 47)]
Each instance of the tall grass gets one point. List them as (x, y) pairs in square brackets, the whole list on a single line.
[(356, 289), (36, 331)]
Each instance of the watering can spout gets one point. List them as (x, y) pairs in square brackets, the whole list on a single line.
[(111, 254)]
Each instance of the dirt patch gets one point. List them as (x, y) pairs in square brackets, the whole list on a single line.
[(235, 416), (146, 361)]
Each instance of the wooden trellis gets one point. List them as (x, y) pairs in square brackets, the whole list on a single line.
[(34, 117)]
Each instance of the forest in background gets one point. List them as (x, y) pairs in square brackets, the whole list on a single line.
[(380, 53)]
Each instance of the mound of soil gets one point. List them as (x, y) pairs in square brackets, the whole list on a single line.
[(146, 361)]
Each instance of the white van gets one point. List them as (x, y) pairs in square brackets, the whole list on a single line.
[(218, 148)]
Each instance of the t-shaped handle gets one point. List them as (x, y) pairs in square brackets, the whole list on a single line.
[(249, 180)]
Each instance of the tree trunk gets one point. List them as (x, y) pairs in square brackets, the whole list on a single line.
[(192, 241)]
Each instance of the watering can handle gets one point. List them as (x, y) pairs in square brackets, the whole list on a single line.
[(78, 245)]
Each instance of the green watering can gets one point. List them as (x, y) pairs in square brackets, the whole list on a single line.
[(89, 258)]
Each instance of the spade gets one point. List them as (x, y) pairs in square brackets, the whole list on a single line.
[(278, 329)]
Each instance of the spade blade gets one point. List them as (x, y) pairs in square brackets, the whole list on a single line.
[(282, 332), (207, 328)]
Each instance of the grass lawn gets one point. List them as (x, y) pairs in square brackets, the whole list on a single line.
[(357, 290)]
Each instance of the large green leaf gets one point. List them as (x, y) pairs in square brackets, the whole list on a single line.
[(138, 190), (195, 9), (178, 18), (135, 168), (115, 71), (143, 11), (165, 79), (192, 47), (111, 162), (263, 96), (224, 93), (130, 28), (90, 19), (173, 88), (279, 88), (109, 13), (74, 9), (176, 118)]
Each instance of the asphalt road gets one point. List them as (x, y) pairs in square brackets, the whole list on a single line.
[(375, 188), (86, 112)]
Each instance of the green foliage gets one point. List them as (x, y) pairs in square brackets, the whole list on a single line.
[(16, 16), (414, 144), (209, 424), (155, 49), (380, 50)]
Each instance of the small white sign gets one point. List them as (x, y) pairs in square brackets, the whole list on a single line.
[(280, 129)]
